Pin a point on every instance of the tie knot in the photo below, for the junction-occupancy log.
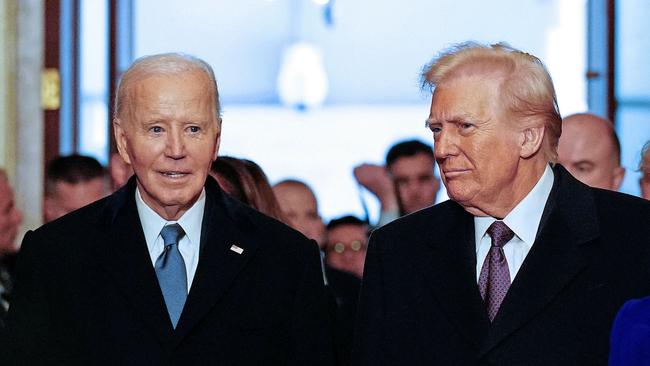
(500, 233)
(171, 234)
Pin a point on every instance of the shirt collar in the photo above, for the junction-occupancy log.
(152, 223)
(524, 219)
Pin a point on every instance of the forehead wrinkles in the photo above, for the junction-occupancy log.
(142, 93)
(466, 98)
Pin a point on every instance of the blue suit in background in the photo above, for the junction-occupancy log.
(630, 343)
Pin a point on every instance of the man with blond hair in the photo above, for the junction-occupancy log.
(168, 270)
(523, 265)
(590, 150)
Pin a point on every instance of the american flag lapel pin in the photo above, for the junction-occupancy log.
(236, 249)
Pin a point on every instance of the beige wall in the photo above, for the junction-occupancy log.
(29, 149)
(21, 117)
(8, 11)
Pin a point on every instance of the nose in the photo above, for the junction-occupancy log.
(444, 145)
(175, 144)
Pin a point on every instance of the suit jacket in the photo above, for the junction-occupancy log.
(631, 335)
(6, 284)
(87, 292)
(343, 290)
(420, 302)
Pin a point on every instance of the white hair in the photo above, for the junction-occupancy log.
(162, 64)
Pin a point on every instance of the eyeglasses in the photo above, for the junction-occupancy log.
(340, 248)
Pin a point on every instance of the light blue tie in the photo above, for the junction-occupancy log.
(170, 269)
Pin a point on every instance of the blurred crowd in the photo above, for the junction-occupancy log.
(405, 186)
(589, 149)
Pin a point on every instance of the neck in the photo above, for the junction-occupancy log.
(528, 175)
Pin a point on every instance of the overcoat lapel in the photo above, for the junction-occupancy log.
(127, 259)
(226, 248)
(559, 254)
(450, 269)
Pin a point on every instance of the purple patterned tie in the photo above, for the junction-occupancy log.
(494, 280)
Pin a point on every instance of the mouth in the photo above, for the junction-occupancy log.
(174, 174)
(453, 173)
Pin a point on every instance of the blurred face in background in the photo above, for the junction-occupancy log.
(10, 218)
(299, 206)
(645, 177)
(68, 197)
(588, 152)
(414, 181)
(346, 248)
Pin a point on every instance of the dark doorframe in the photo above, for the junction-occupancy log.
(120, 53)
(51, 66)
(601, 57)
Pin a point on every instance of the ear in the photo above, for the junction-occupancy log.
(619, 174)
(121, 140)
(49, 209)
(531, 141)
(218, 137)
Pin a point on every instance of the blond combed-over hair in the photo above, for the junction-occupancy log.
(525, 86)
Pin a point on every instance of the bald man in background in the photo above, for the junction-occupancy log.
(591, 151)
(298, 203)
(300, 207)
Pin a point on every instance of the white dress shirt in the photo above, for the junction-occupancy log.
(191, 222)
(523, 220)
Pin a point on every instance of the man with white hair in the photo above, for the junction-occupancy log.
(168, 270)
(524, 265)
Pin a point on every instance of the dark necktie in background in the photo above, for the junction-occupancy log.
(170, 269)
(494, 280)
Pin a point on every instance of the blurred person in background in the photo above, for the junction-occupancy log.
(644, 168)
(72, 182)
(406, 184)
(630, 338)
(246, 181)
(590, 150)
(10, 220)
(300, 208)
(347, 239)
(298, 203)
